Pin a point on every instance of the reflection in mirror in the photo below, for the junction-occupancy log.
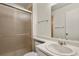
(65, 21)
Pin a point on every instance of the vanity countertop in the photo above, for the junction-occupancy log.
(43, 48)
(40, 39)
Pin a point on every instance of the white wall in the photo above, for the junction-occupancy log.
(60, 15)
(34, 20)
(44, 13)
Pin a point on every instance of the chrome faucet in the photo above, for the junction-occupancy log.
(61, 42)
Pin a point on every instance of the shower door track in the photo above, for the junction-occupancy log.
(16, 8)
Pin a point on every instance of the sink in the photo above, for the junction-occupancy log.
(62, 50)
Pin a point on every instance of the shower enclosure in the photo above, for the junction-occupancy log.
(15, 31)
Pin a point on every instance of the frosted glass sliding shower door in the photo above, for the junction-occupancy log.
(15, 31)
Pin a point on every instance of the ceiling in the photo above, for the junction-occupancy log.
(23, 4)
(59, 5)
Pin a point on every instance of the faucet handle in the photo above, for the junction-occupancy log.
(66, 34)
(60, 42)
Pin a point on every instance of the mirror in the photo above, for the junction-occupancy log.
(65, 21)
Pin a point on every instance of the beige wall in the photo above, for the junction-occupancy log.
(15, 31)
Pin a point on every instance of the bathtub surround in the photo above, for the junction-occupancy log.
(15, 31)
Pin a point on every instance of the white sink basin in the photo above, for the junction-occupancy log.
(60, 50)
